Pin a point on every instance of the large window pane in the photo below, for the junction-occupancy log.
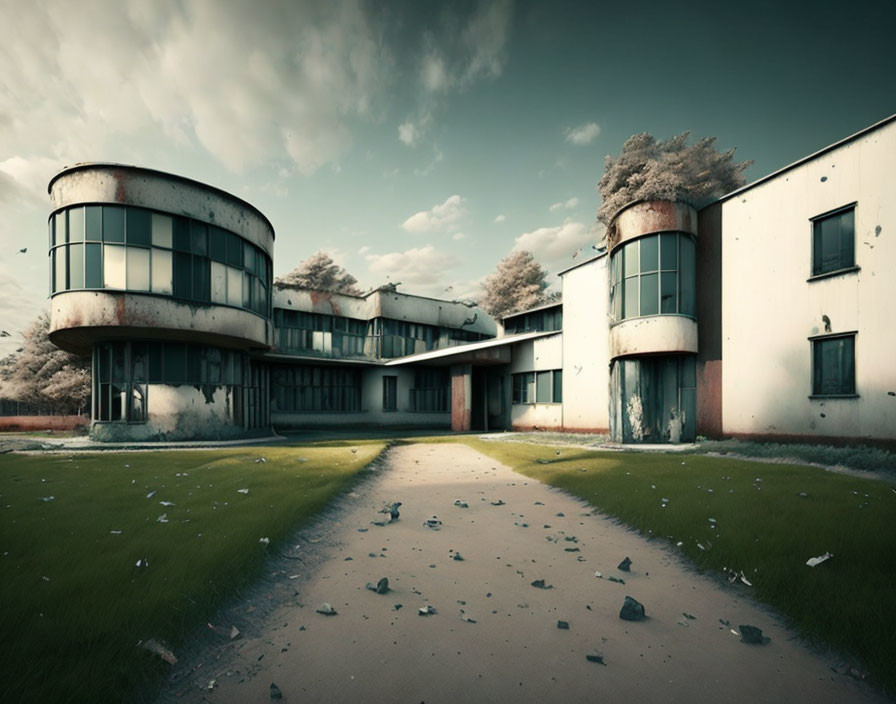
(138, 269)
(62, 229)
(668, 292)
(217, 244)
(558, 386)
(183, 275)
(76, 266)
(155, 362)
(649, 293)
(669, 251)
(59, 280)
(200, 278)
(630, 298)
(218, 282)
(175, 361)
(139, 226)
(834, 366)
(182, 239)
(93, 222)
(139, 371)
(113, 223)
(650, 253)
(847, 235)
(247, 290)
(630, 259)
(198, 238)
(234, 250)
(114, 275)
(161, 271)
(687, 278)
(161, 231)
(93, 265)
(543, 387)
(234, 286)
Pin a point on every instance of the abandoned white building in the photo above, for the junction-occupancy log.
(764, 314)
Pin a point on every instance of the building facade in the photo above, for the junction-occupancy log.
(762, 315)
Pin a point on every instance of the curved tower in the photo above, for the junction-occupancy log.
(166, 282)
(653, 324)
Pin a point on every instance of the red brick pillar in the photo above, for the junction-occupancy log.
(461, 396)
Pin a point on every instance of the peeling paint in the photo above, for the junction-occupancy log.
(635, 413)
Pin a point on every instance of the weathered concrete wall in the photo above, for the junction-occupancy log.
(363, 419)
(536, 416)
(461, 397)
(653, 334)
(646, 217)
(709, 313)
(770, 309)
(177, 412)
(538, 355)
(586, 347)
(10, 423)
(132, 185)
(77, 318)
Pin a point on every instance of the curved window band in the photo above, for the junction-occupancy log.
(126, 248)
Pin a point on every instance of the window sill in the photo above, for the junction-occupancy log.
(823, 397)
(836, 272)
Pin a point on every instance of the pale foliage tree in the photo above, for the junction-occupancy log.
(320, 273)
(42, 375)
(517, 283)
(647, 169)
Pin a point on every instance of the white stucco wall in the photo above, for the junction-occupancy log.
(586, 347)
(769, 309)
(541, 354)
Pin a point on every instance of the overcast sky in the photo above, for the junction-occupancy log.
(417, 142)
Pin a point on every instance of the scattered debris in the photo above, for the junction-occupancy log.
(392, 510)
(379, 523)
(465, 618)
(814, 561)
(457, 557)
(275, 692)
(598, 574)
(426, 610)
(752, 635)
(163, 518)
(563, 625)
(625, 565)
(326, 609)
(115, 532)
(433, 523)
(688, 616)
(855, 673)
(570, 549)
(595, 657)
(461, 504)
(362, 530)
(154, 646)
(632, 610)
(397, 607)
(264, 541)
(151, 494)
(539, 584)
(540, 461)
(45, 499)
(242, 491)
(618, 580)
(803, 495)
(261, 460)
(381, 587)
(499, 502)
(167, 503)
(143, 562)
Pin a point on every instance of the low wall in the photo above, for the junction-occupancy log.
(43, 422)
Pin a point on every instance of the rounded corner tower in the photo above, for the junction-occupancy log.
(653, 322)
(166, 282)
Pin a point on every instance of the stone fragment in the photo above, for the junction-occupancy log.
(433, 523)
(632, 610)
(618, 580)
(381, 587)
(392, 510)
(540, 584)
(625, 565)
(326, 609)
(154, 646)
(499, 502)
(275, 692)
(563, 625)
(461, 504)
(426, 610)
(457, 557)
(595, 657)
(752, 635)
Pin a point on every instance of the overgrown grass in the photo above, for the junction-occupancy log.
(75, 603)
(763, 526)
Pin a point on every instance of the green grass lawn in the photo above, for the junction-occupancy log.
(75, 603)
(762, 526)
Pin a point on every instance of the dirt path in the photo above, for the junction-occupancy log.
(510, 649)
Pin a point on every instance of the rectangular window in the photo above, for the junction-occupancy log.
(687, 278)
(217, 244)
(59, 280)
(558, 386)
(234, 250)
(93, 265)
(833, 241)
(62, 229)
(234, 286)
(183, 273)
(138, 269)
(390, 393)
(76, 266)
(650, 253)
(181, 234)
(161, 231)
(833, 366)
(649, 293)
(543, 387)
(139, 226)
(175, 361)
(198, 238)
(114, 275)
(218, 282)
(161, 271)
(93, 222)
(523, 387)
(113, 223)
(75, 226)
(200, 278)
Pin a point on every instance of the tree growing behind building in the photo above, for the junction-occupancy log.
(517, 283)
(669, 170)
(320, 273)
(41, 375)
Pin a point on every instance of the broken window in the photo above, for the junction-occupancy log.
(833, 365)
(833, 236)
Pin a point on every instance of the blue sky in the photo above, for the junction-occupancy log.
(417, 142)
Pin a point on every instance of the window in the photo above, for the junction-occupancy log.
(390, 393)
(834, 365)
(833, 236)
(537, 387)
(432, 390)
(654, 275)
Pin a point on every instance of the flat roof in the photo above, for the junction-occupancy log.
(800, 162)
(583, 263)
(470, 347)
(545, 306)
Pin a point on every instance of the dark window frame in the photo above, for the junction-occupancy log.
(390, 393)
(845, 388)
(818, 269)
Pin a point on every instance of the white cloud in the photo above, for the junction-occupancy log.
(554, 247)
(408, 133)
(420, 270)
(564, 204)
(500, 218)
(582, 134)
(458, 236)
(439, 217)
